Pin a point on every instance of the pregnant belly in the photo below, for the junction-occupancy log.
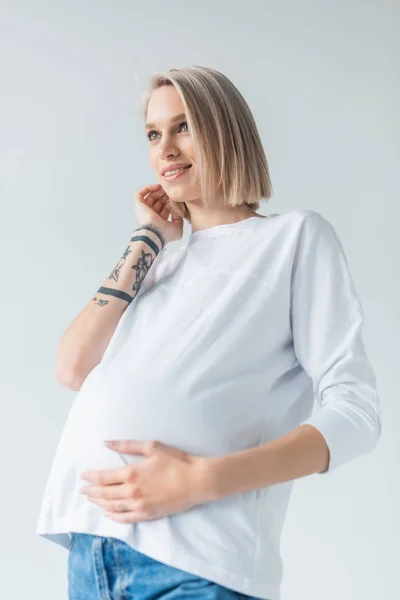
(211, 421)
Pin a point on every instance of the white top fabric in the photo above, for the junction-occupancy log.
(231, 338)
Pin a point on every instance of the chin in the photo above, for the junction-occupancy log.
(176, 197)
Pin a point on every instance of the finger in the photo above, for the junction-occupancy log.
(159, 205)
(117, 506)
(158, 196)
(130, 447)
(109, 492)
(109, 476)
(129, 517)
(165, 211)
(150, 190)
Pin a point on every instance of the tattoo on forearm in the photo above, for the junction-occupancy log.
(100, 301)
(115, 272)
(117, 293)
(142, 268)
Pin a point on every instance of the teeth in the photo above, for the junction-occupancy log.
(173, 172)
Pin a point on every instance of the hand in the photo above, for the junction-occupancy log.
(168, 481)
(153, 205)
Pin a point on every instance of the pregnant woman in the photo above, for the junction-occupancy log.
(197, 366)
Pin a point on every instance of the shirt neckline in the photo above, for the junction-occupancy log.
(216, 230)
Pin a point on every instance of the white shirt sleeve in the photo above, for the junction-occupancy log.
(327, 320)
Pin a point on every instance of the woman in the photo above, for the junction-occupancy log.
(200, 362)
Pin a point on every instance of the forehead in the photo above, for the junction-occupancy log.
(164, 104)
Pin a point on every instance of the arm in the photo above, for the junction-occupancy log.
(83, 344)
(327, 320)
(300, 452)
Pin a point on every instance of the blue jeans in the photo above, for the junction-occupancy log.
(105, 568)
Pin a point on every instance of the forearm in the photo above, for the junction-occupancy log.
(301, 452)
(86, 339)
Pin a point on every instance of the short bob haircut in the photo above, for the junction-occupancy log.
(230, 157)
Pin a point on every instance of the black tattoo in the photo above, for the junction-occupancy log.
(154, 229)
(116, 293)
(100, 302)
(115, 272)
(149, 242)
(142, 268)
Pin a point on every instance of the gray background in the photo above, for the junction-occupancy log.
(322, 81)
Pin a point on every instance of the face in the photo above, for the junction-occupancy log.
(170, 144)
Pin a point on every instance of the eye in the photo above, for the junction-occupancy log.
(149, 135)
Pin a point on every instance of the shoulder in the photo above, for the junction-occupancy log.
(308, 217)
(298, 224)
(309, 223)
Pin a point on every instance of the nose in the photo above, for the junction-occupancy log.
(167, 149)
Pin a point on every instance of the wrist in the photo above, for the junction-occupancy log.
(154, 232)
(205, 480)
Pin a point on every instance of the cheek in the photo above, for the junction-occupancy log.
(152, 158)
(155, 164)
(188, 148)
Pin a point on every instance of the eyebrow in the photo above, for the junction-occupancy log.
(176, 118)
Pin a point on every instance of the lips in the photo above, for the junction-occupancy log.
(175, 171)
(173, 167)
(179, 173)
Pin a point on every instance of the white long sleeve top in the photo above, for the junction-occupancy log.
(231, 339)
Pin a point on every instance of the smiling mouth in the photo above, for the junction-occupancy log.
(176, 174)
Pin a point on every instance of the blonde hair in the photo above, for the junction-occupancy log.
(230, 157)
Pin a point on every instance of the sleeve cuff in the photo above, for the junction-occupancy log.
(346, 437)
